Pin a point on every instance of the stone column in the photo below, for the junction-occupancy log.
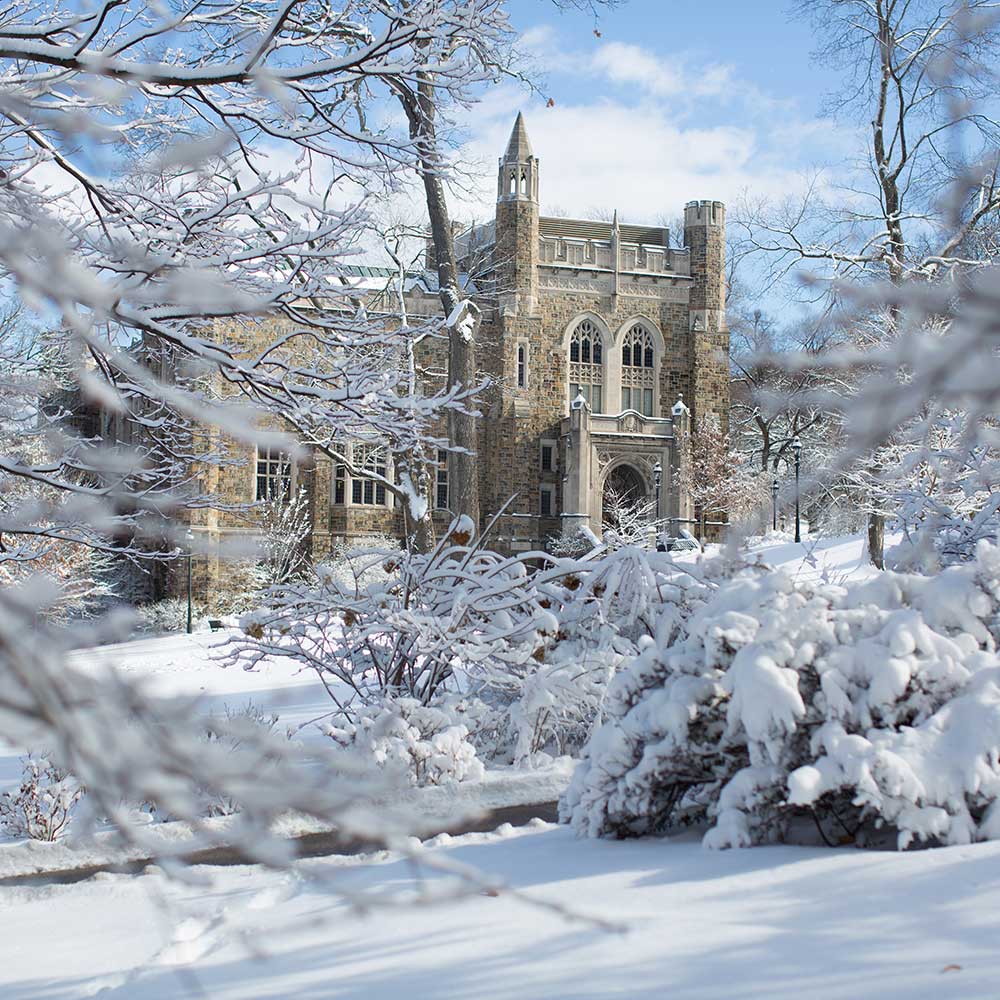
(577, 507)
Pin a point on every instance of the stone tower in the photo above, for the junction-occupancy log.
(517, 225)
(705, 239)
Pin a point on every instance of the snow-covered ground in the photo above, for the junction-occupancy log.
(776, 922)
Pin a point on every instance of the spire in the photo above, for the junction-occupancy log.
(614, 222)
(519, 148)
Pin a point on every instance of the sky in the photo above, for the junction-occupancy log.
(674, 100)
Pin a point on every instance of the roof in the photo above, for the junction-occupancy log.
(374, 278)
(579, 229)
(519, 146)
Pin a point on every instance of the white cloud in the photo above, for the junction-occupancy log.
(624, 63)
(636, 158)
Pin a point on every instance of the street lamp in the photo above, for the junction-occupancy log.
(657, 482)
(190, 544)
(797, 450)
(774, 504)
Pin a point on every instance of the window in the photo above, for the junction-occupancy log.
(274, 474)
(548, 456)
(547, 500)
(586, 365)
(368, 492)
(522, 365)
(339, 485)
(638, 371)
(441, 481)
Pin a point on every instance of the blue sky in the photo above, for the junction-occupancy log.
(675, 100)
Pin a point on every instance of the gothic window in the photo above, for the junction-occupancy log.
(364, 490)
(441, 481)
(586, 365)
(274, 474)
(638, 371)
(522, 365)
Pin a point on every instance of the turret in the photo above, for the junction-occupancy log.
(517, 224)
(705, 238)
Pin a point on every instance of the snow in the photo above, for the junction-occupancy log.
(775, 922)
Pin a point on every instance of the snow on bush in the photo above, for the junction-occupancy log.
(239, 726)
(417, 742)
(169, 615)
(871, 704)
(43, 804)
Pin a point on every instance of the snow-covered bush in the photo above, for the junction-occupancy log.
(240, 725)
(169, 615)
(548, 705)
(43, 804)
(419, 743)
(873, 704)
(403, 632)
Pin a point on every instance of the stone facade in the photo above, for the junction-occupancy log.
(601, 342)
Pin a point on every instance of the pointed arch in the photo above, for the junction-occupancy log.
(587, 344)
(640, 347)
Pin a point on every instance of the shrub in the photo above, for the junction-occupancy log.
(239, 724)
(420, 743)
(169, 615)
(858, 706)
(42, 806)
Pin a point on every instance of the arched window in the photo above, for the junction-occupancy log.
(586, 365)
(638, 371)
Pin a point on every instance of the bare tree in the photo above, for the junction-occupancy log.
(920, 75)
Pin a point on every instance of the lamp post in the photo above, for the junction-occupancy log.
(190, 542)
(657, 483)
(774, 504)
(797, 450)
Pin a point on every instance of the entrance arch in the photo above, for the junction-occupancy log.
(624, 491)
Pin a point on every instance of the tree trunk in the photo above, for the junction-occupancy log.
(463, 483)
(876, 540)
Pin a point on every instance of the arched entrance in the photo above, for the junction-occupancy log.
(624, 499)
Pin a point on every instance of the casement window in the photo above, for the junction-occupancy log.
(367, 491)
(547, 500)
(586, 365)
(274, 474)
(340, 485)
(441, 481)
(547, 455)
(638, 371)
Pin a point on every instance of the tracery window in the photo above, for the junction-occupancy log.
(586, 365)
(638, 371)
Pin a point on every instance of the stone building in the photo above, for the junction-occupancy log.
(602, 343)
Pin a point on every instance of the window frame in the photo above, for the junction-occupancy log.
(550, 445)
(278, 467)
(547, 491)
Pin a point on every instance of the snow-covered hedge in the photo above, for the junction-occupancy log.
(420, 743)
(763, 700)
